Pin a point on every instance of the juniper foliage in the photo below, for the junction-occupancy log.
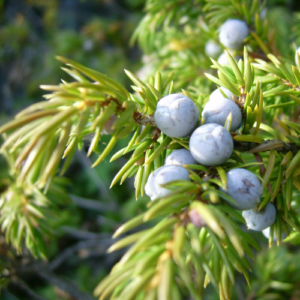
(172, 257)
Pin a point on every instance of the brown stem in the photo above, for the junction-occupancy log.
(286, 82)
(44, 272)
(263, 171)
(266, 145)
(259, 55)
(143, 120)
(25, 289)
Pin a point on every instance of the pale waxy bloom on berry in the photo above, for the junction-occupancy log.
(154, 186)
(260, 220)
(180, 157)
(244, 187)
(232, 34)
(211, 144)
(176, 115)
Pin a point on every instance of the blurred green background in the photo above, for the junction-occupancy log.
(95, 33)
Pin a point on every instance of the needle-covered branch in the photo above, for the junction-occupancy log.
(248, 125)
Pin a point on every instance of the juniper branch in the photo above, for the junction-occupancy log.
(266, 145)
(143, 120)
(27, 290)
(67, 253)
(44, 272)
